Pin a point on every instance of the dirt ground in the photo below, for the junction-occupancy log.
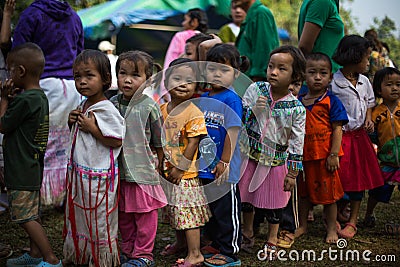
(381, 245)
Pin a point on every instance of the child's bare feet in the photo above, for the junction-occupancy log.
(331, 237)
(300, 231)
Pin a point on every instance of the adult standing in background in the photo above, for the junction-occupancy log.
(320, 28)
(108, 48)
(257, 38)
(57, 29)
(230, 31)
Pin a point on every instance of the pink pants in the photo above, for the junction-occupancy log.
(138, 233)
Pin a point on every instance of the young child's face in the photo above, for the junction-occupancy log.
(130, 77)
(182, 83)
(294, 87)
(318, 75)
(363, 66)
(220, 75)
(88, 80)
(391, 88)
(190, 51)
(238, 14)
(279, 72)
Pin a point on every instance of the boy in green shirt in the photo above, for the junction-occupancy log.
(24, 121)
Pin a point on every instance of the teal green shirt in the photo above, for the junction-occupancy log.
(257, 38)
(26, 128)
(325, 14)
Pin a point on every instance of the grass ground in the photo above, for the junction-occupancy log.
(375, 240)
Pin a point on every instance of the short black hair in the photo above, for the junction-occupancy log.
(318, 56)
(380, 76)
(201, 16)
(137, 56)
(31, 56)
(101, 62)
(299, 61)
(222, 53)
(351, 49)
(179, 62)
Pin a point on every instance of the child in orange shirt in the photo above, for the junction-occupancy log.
(322, 145)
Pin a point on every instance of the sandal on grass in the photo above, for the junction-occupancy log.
(208, 251)
(346, 232)
(172, 249)
(23, 260)
(46, 264)
(5, 251)
(269, 252)
(247, 243)
(139, 262)
(285, 239)
(183, 263)
(220, 260)
(392, 228)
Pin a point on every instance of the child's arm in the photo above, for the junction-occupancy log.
(369, 125)
(160, 158)
(221, 170)
(332, 162)
(88, 125)
(176, 173)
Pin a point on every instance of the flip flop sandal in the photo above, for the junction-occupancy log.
(139, 262)
(183, 263)
(344, 233)
(209, 251)
(5, 251)
(172, 249)
(285, 239)
(225, 261)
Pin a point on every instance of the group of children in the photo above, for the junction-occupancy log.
(205, 159)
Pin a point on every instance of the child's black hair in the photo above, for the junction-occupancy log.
(318, 56)
(178, 63)
(227, 53)
(351, 50)
(380, 76)
(201, 16)
(197, 39)
(135, 57)
(31, 56)
(299, 61)
(101, 62)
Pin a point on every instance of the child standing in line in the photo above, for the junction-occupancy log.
(275, 124)
(386, 118)
(222, 109)
(140, 191)
(325, 116)
(359, 168)
(184, 126)
(25, 125)
(97, 130)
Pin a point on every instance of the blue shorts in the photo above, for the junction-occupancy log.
(355, 196)
(382, 193)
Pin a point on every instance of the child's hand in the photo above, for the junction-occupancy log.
(73, 117)
(87, 124)
(175, 175)
(290, 180)
(221, 171)
(260, 104)
(9, 7)
(7, 89)
(332, 163)
(369, 126)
